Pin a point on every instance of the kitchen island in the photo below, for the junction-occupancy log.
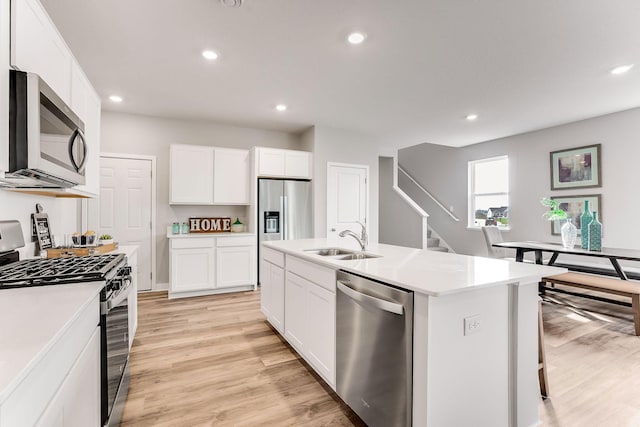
(475, 344)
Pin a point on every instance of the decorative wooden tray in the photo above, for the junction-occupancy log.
(84, 251)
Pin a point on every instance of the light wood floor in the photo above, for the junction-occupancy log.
(214, 361)
(593, 360)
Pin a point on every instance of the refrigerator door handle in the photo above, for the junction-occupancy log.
(283, 221)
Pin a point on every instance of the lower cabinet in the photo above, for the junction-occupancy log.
(209, 265)
(77, 401)
(235, 266)
(192, 269)
(310, 315)
(272, 294)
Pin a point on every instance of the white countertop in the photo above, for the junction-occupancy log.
(201, 235)
(128, 250)
(33, 320)
(428, 272)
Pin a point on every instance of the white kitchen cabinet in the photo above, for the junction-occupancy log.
(37, 47)
(77, 401)
(297, 164)
(272, 294)
(321, 331)
(192, 269)
(62, 385)
(309, 307)
(5, 43)
(86, 103)
(235, 266)
(203, 265)
(133, 297)
(278, 163)
(231, 173)
(295, 311)
(191, 175)
(202, 175)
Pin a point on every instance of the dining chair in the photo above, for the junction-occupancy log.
(492, 235)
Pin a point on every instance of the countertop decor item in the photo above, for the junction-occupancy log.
(576, 168)
(574, 207)
(209, 225)
(585, 220)
(237, 227)
(568, 231)
(106, 239)
(595, 233)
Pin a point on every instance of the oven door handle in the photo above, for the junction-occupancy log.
(108, 305)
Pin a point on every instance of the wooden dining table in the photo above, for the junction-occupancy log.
(614, 255)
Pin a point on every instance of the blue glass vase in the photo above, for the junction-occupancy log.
(585, 219)
(595, 233)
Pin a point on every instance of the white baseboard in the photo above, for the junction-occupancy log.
(161, 287)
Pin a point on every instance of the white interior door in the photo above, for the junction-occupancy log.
(123, 208)
(347, 197)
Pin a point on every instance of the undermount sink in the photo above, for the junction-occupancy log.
(356, 255)
(330, 251)
(341, 254)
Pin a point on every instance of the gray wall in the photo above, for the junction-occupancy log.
(341, 146)
(443, 171)
(64, 216)
(399, 223)
(137, 134)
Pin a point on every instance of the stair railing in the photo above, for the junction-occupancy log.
(416, 207)
(437, 202)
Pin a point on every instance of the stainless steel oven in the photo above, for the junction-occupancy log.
(114, 328)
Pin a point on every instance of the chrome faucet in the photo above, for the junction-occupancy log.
(363, 239)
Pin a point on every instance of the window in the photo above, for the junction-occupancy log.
(489, 192)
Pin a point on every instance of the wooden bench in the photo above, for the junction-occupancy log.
(603, 284)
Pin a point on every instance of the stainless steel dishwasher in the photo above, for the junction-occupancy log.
(374, 350)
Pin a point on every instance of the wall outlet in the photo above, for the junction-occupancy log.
(472, 324)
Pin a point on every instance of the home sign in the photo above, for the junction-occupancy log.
(209, 225)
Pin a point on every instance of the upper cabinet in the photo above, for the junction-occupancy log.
(34, 45)
(277, 163)
(37, 47)
(86, 103)
(231, 172)
(203, 175)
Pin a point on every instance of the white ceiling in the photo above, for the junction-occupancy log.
(426, 64)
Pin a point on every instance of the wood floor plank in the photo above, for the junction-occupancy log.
(215, 361)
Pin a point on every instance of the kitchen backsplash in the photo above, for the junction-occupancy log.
(64, 214)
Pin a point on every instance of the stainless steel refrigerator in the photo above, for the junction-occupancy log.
(284, 210)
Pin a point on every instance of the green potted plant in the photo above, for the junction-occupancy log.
(106, 239)
(568, 231)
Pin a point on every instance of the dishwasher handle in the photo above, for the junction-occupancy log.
(374, 302)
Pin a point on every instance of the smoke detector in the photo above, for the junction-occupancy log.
(231, 3)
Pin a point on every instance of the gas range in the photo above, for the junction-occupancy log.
(58, 271)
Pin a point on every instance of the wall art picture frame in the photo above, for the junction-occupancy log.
(574, 207)
(578, 167)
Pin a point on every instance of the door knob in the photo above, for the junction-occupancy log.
(333, 230)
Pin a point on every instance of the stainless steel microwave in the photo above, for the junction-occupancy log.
(47, 147)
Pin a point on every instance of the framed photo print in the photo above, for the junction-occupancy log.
(576, 168)
(574, 207)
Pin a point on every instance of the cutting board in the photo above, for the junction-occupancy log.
(84, 251)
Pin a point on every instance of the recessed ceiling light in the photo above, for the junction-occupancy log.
(622, 69)
(281, 107)
(471, 117)
(210, 55)
(356, 38)
(231, 3)
(115, 98)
